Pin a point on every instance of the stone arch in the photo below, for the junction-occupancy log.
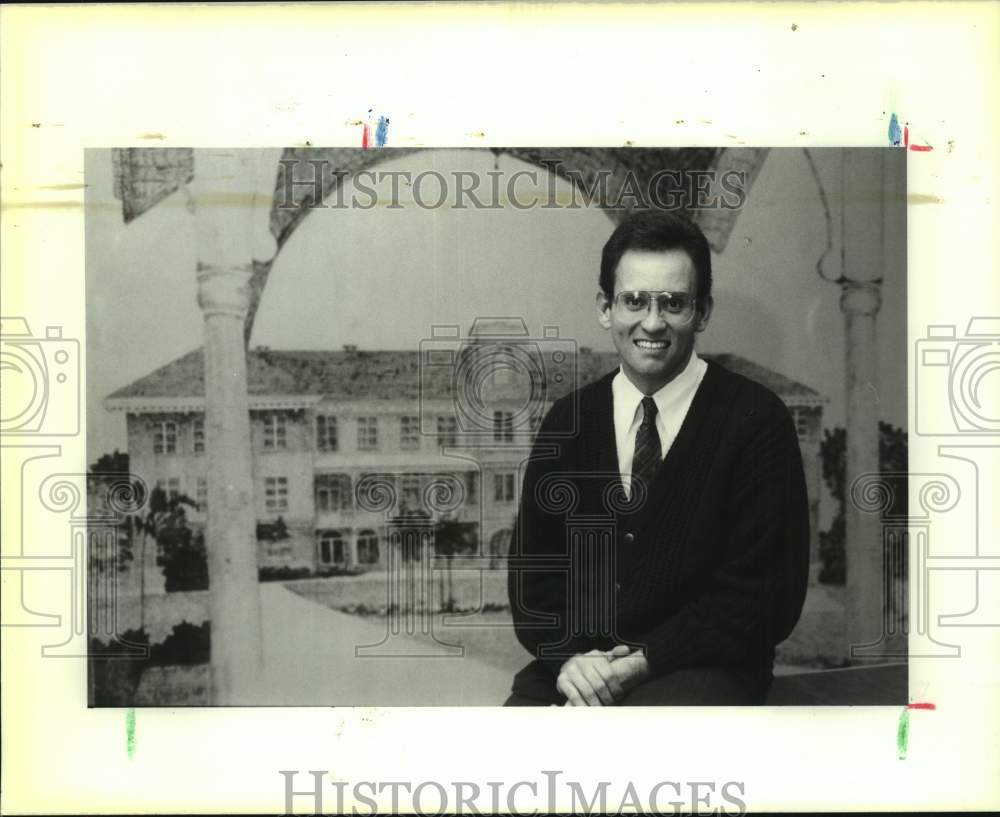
(145, 176)
(306, 177)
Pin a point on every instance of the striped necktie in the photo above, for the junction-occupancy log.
(647, 455)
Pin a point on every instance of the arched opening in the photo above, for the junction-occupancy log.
(499, 546)
(331, 550)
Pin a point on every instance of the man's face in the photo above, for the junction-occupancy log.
(654, 347)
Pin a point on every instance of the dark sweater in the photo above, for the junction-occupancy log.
(709, 570)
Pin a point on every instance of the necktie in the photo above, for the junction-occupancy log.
(647, 457)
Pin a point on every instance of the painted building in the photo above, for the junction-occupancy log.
(346, 441)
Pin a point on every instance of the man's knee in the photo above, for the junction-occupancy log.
(516, 699)
(699, 686)
(535, 685)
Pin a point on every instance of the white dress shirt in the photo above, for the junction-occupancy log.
(672, 404)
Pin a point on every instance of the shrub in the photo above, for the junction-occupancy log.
(185, 563)
(187, 644)
(833, 452)
(115, 679)
(282, 573)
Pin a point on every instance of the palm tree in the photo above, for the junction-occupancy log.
(451, 537)
(166, 521)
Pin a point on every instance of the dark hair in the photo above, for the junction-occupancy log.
(656, 231)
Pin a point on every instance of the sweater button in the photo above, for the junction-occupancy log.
(629, 538)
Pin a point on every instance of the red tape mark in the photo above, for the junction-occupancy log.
(921, 706)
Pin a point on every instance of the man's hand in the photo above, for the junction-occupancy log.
(584, 678)
(588, 679)
(630, 668)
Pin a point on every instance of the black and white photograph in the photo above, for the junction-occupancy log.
(499, 408)
(448, 427)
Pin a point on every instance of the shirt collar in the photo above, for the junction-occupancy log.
(627, 397)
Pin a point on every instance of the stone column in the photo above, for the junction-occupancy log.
(863, 213)
(230, 536)
(227, 205)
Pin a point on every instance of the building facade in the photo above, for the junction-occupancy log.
(346, 442)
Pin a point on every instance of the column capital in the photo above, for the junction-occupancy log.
(861, 297)
(224, 290)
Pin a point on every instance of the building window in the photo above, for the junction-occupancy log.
(332, 550)
(367, 547)
(409, 433)
(276, 494)
(277, 549)
(198, 435)
(274, 431)
(367, 433)
(171, 492)
(801, 417)
(326, 433)
(173, 489)
(447, 431)
(411, 490)
(503, 426)
(503, 487)
(202, 496)
(333, 492)
(165, 438)
(471, 487)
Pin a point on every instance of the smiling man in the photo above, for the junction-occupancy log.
(695, 473)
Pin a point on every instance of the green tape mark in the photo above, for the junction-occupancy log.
(903, 733)
(130, 733)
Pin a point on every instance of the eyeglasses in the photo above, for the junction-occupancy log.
(678, 306)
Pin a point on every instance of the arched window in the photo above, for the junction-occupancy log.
(332, 552)
(500, 542)
(367, 547)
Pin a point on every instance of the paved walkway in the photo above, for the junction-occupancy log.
(310, 660)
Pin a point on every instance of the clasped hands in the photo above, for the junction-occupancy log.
(599, 678)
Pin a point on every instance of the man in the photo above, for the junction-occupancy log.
(706, 571)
